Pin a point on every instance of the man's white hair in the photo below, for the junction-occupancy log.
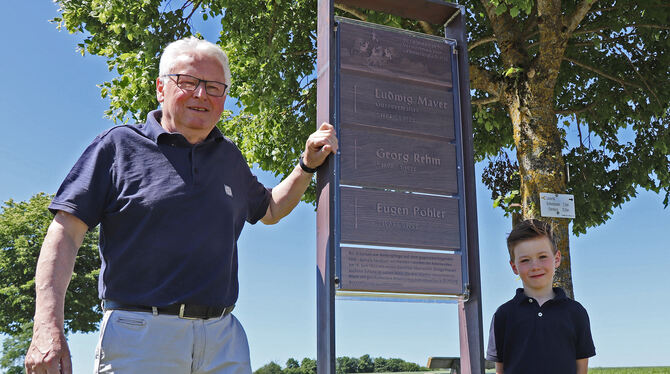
(191, 43)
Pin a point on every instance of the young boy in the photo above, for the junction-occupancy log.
(541, 330)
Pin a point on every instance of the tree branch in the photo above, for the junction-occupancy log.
(602, 73)
(353, 11)
(640, 25)
(578, 15)
(196, 5)
(506, 35)
(570, 111)
(637, 71)
(483, 80)
(608, 9)
(273, 25)
(427, 28)
(297, 53)
(604, 39)
(481, 41)
(485, 100)
(529, 28)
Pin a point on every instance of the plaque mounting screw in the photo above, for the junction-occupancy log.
(466, 294)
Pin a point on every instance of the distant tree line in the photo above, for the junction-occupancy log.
(343, 365)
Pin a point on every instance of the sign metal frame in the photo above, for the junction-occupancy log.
(328, 194)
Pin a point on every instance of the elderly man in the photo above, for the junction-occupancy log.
(172, 196)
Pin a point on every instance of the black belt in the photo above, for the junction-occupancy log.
(188, 311)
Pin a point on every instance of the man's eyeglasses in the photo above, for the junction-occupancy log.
(190, 83)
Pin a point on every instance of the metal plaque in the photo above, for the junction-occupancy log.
(397, 105)
(394, 54)
(398, 219)
(366, 269)
(371, 157)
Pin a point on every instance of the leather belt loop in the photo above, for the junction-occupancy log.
(227, 310)
(182, 307)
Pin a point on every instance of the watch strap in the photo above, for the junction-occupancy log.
(306, 168)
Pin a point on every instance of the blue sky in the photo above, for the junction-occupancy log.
(50, 109)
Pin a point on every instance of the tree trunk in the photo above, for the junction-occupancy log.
(541, 165)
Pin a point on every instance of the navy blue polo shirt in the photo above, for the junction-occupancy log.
(528, 338)
(170, 213)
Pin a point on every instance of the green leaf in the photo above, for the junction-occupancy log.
(512, 71)
(514, 11)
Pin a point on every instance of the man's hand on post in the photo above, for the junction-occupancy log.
(48, 353)
(286, 195)
(319, 145)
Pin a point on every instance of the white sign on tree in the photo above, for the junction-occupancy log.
(557, 205)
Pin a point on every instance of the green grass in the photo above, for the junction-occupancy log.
(635, 370)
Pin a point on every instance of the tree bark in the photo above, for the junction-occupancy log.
(539, 152)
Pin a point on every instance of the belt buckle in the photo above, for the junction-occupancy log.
(181, 312)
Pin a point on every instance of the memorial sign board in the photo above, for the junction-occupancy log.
(405, 176)
(371, 157)
(369, 269)
(399, 219)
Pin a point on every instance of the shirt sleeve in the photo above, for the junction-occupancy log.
(258, 198)
(85, 189)
(495, 349)
(584, 347)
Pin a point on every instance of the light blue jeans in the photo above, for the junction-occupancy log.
(139, 342)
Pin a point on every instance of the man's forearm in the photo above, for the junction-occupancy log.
(55, 266)
(48, 351)
(286, 195)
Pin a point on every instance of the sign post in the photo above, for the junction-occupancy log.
(396, 214)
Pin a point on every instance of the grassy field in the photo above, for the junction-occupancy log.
(634, 370)
(637, 370)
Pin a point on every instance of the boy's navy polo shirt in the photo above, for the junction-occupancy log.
(547, 339)
(170, 213)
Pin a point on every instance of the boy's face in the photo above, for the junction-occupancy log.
(535, 263)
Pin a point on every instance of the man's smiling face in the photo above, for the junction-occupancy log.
(191, 113)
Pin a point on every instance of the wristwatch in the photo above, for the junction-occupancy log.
(305, 167)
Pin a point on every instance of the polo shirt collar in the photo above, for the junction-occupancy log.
(154, 130)
(521, 297)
